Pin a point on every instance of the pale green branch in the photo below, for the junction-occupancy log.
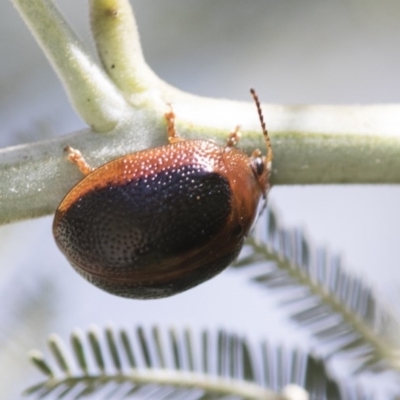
(117, 40)
(91, 92)
(312, 144)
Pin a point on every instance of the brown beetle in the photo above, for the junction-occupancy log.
(160, 221)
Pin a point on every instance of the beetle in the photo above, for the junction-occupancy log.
(160, 221)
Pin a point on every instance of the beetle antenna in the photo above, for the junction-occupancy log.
(264, 129)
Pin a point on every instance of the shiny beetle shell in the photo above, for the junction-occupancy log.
(160, 221)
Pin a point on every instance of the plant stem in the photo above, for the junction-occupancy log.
(115, 32)
(35, 177)
(312, 144)
(90, 90)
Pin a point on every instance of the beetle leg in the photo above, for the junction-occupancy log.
(76, 157)
(234, 137)
(173, 137)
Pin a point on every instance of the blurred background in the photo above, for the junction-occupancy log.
(292, 52)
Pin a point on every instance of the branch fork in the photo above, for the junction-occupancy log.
(123, 102)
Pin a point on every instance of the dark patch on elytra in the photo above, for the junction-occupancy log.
(146, 220)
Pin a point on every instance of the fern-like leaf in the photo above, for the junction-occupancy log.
(172, 364)
(24, 319)
(339, 309)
